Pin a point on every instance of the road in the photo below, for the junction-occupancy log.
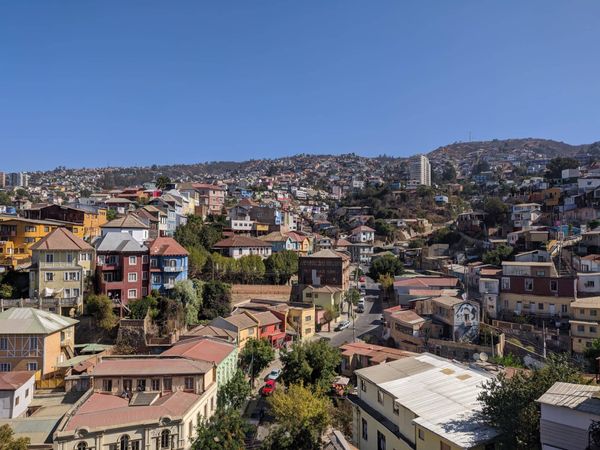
(364, 322)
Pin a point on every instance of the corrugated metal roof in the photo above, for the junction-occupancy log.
(580, 397)
(32, 321)
(442, 394)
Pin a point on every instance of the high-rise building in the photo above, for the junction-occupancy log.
(17, 179)
(2, 180)
(420, 170)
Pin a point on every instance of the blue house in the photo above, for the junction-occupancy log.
(168, 263)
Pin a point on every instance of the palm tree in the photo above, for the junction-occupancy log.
(162, 182)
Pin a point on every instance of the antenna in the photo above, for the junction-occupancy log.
(483, 356)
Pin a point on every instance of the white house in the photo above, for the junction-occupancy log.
(129, 224)
(16, 393)
(238, 246)
(525, 215)
(567, 411)
(363, 234)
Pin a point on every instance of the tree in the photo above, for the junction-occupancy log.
(593, 224)
(386, 283)
(196, 233)
(417, 243)
(311, 364)
(162, 181)
(256, 355)
(330, 313)
(281, 266)
(496, 211)
(481, 166)
(301, 415)
(5, 199)
(556, 165)
(382, 228)
(140, 307)
(216, 300)
(509, 404)
(6, 291)
(197, 259)
(9, 442)
(592, 353)
(189, 294)
(171, 315)
(386, 265)
(100, 307)
(497, 255)
(351, 297)
(251, 268)
(111, 214)
(225, 430)
(235, 392)
(449, 173)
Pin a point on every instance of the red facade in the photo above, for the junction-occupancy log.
(123, 277)
(543, 286)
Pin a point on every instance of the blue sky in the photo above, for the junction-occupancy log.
(150, 82)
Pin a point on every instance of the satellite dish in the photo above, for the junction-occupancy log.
(476, 356)
(483, 356)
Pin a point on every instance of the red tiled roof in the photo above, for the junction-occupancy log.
(10, 381)
(240, 241)
(106, 411)
(428, 282)
(266, 318)
(150, 366)
(363, 228)
(61, 239)
(201, 349)
(167, 246)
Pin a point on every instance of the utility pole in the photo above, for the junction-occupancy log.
(544, 337)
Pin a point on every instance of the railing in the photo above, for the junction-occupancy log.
(41, 303)
(173, 269)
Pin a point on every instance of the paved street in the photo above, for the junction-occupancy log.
(364, 323)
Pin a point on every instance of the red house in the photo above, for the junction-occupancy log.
(122, 268)
(270, 327)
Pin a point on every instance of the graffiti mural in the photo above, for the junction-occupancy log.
(466, 322)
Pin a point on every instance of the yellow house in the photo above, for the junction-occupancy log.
(22, 233)
(36, 340)
(584, 323)
(243, 324)
(302, 318)
(421, 402)
(61, 263)
(82, 221)
(323, 296)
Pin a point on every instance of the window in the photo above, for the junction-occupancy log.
(132, 293)
(144, 276)
(33, 343)
(363, 385)
(365, 435)
(251, 331)
(17, 399)
(396, 408)
(165, 439)
(505, 283)
(141, 384)
(32, 366)
(563, 309)
(155, 384)
(421, 434)
(580, 328)
(541, 306)
(593, 312)
(26, 393)
(132, 260)
(135, 445)
(3, 343)
(49, 257)
(308, 331)
(154, 262)
(132, 276)
(124, 442)
(69, 258)
(554, 285)
(167, 384)
(127, 384)
(81, 446)
(107, 385)
(308, 318)
(444, 446)
(593, 330)
(189, 383)
(529, 284)
(380, 396)
(380, 440)
(4, 367)
(145, 259)
(49, 276)
(590, 283)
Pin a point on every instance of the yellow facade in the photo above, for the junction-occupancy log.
(245, 334)
(530, 304)
(22, 233)
(584, 323)
(303, 321)
(92, 223)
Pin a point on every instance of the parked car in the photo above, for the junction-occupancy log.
(361, 302)
(274, 374)
(360, 308)
(268, 388)
(342, 325)
(362, 279)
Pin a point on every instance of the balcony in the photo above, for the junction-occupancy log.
(172, 269)
(169, 285)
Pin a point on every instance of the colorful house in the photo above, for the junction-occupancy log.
(61, 262)
(168, 263)
(32, 339)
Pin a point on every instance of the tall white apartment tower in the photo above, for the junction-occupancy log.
(420, 170)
